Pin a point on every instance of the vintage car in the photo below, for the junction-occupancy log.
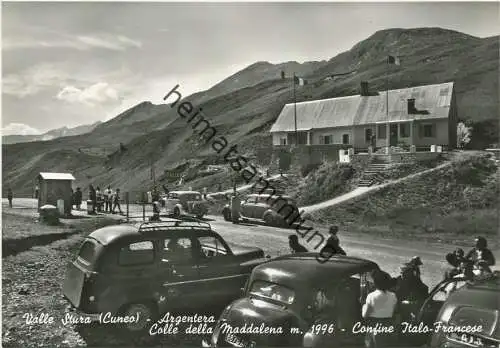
(145, 270)
(274, 210)
(177, 203)
(472, 312)
(281, 294)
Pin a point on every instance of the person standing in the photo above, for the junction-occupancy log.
(107, 199)
(116, 202)
(78, 198)
(10, 196)
(235, 207)
(295, 246)
(205, 193)
(99, 199)
(379, 309)
(92, 197)
(37, 190)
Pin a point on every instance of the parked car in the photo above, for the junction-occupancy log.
(179, 203)
(475, 304)
(274, 210)
(149, 269)
(281, 294)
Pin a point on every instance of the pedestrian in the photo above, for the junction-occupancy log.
(92, 197)
(116, 202)
(415, 264)
(78, 198)
(409, 286)
(10, 196)
(235, 208)
(205, 193)
(378, 311)
(332, 245)
(219, 187)
(295, 246)
(481, 252)
(37, 190)
(99, 199)
(107, 199)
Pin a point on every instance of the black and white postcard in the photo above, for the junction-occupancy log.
(250, 174)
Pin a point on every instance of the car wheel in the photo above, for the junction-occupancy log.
(145, 313)
(177, 212)
(227, 215)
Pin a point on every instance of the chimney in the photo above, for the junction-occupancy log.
(364, 88)
(411, 106)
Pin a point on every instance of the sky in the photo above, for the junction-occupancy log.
(74, 63)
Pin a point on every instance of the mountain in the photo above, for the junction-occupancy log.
(243, 107)
(52, 134)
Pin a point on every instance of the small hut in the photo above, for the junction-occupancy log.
(53, 187)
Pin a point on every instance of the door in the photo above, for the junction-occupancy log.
(393, 131)
(221, 279)
(246, 207)
(432, 305)
(180, 277)
(260, 207)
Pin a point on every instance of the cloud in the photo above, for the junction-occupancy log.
(32, 80)
(19, 129)
(79, 42)
(99, 93)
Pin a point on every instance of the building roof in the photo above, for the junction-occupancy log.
(56, 176)
(359, 110)
(288, 269)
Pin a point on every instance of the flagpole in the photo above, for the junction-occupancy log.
(387, 101)
(295, 112)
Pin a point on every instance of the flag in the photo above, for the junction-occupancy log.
(393, 60)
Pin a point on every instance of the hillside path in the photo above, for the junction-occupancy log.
(244, 187)
(363, 190)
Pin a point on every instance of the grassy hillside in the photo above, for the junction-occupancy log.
(454, 202)
(244, 106)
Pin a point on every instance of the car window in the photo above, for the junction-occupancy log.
(250, 199)
(178, 250)
(212, 247)
(272, 291)
(172, 196)
(138, 253)
(475, 317)
(191, 197)
(88, 252)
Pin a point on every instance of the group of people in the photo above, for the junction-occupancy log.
(331, 247)
(476, 262)
(102, 201)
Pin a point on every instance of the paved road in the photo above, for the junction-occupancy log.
(388, 253)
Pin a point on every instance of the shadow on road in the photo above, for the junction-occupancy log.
(16, 246)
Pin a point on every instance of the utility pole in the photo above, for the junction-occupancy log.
(387, 130)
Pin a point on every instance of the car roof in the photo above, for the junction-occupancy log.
(186, 192)
(479, 293)
(290, 269)
(117, 233)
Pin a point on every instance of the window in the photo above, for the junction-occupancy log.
(88, 252)
(272, 291)
(211, 247)
(282, 141)
(326, 139)
(404, 130)
(428, 130)
(178, 250)
(138, 253)
(382, 131)
(368, 134)
(251, 200)
(345, 139)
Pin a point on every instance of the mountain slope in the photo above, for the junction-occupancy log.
(52, 134)
(245, 112)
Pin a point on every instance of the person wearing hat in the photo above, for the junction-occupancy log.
(409, 285)
(415, 263)
(481, 252)
(295, 246)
